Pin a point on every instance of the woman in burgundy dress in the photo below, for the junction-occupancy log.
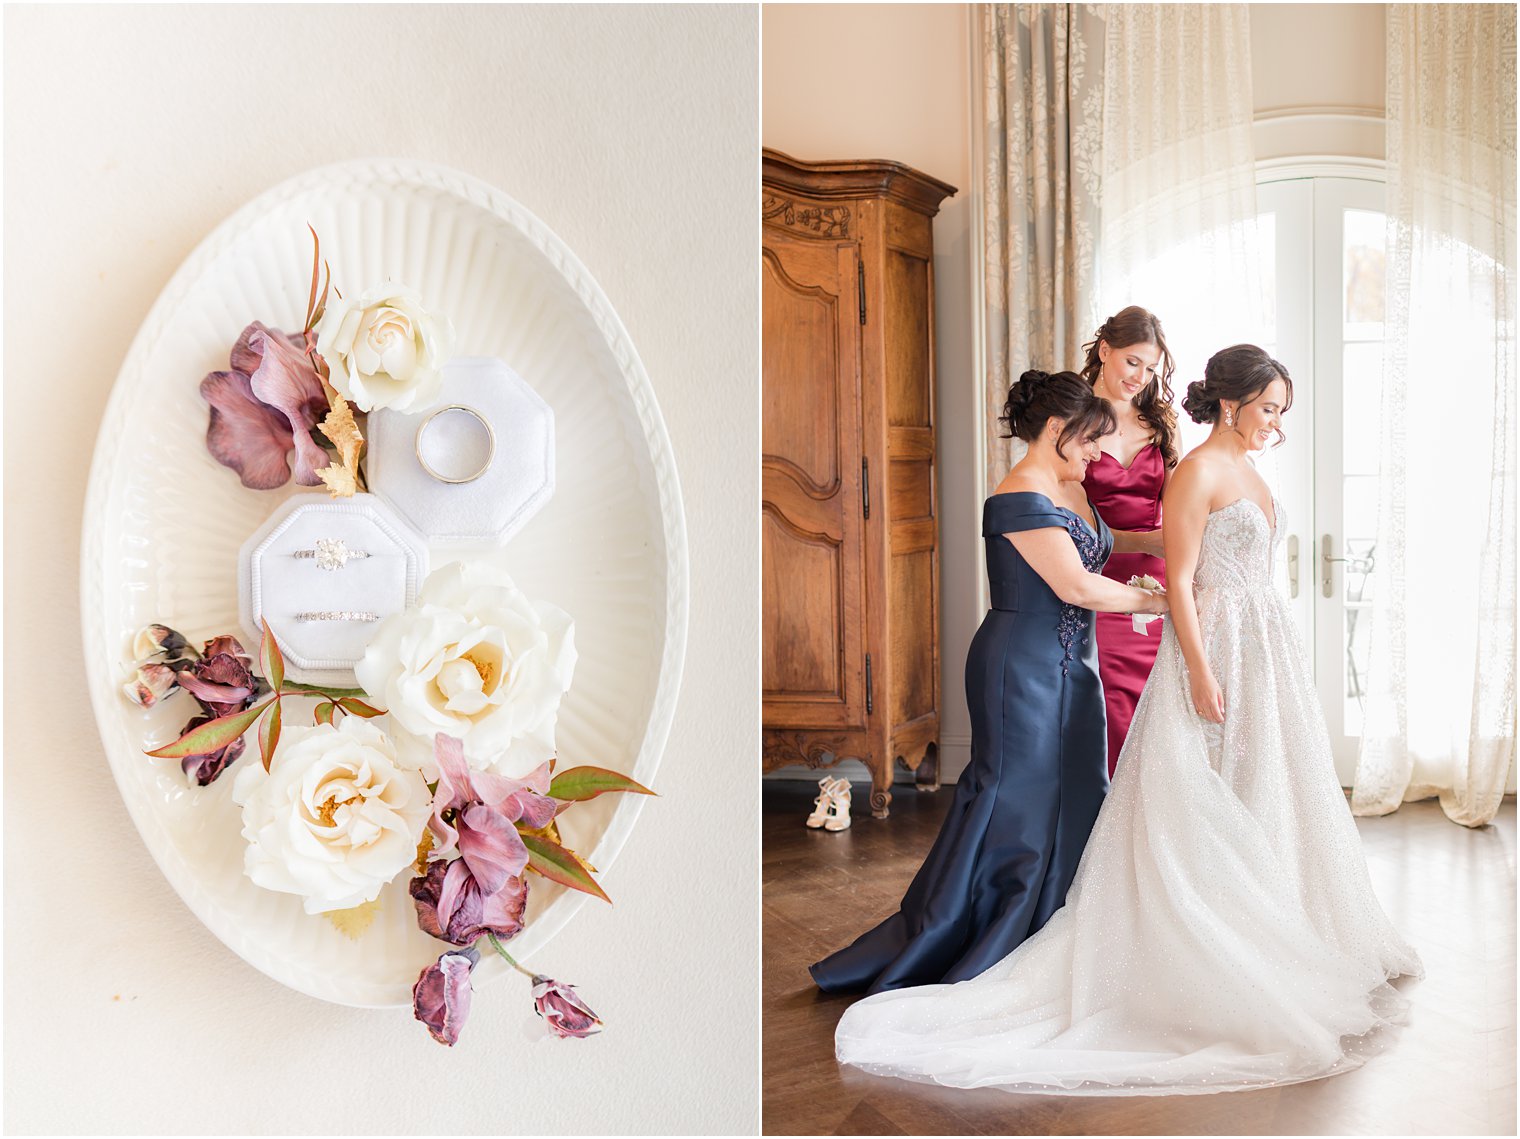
(1128, 364)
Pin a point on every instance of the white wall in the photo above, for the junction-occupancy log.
(131, 132)
(894, 81)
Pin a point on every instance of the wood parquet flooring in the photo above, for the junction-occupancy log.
(1450, 890)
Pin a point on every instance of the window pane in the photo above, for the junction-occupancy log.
(1361, 387)
(1266, 228)
(1360, 506)
(1363, 273)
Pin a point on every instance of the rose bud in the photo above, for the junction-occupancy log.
(441, 996)
(205, 768)
(221, 681)
(160, 643)
(566, 1014)
(151, 684)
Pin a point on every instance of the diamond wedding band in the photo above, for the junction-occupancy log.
(338, 615)
(459, 477)
(332, 554)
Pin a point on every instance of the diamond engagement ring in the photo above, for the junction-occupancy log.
(332, 554)
(338, 615)
(451, 448)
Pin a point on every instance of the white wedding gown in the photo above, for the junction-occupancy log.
(1221, 932)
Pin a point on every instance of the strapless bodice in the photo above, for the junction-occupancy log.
(1238, 547)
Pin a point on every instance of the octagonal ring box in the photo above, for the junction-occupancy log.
(281, 575)
(489, 509)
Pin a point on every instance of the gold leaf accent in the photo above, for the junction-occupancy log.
(423, 849)
(353, 922)
(342, 477)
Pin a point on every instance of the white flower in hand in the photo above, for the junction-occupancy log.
(383, 349)
(335, 818)
(476, 660)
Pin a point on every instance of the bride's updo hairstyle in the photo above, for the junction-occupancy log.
(1037, 396)
(1239, 373)
(1153, 402)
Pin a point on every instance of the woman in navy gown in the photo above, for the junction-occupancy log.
(1023, 808)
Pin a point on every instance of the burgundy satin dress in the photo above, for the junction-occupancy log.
(1126, 499)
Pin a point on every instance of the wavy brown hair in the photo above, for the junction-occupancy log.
(1135, 325)
(1037, 397)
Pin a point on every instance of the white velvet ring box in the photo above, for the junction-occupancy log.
(518, 481)
(290, 568)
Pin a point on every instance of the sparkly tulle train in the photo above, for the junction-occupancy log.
(1221, 932)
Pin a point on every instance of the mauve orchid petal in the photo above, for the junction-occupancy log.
(566, 1014)
(287, 381)
(244, 434)
(537, 811)
(490, 845)
(441, 996)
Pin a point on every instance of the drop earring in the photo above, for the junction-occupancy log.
(1229, 418)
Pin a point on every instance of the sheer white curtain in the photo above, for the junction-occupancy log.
(1179, 231)
(1042, 76)
(1440, 713)
(1118, 170)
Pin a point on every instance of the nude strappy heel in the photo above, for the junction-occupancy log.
(831, 810)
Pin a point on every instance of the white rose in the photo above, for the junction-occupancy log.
(475, 659)
(335, 818)
(384, 350)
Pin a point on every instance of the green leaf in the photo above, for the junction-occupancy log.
(269, 735)
(270, 658)
(558, 864)
(359, 707)
(213, 736)
(580, 783)
(324, 712)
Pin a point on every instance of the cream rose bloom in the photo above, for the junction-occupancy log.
(383, 349)
(336, 816)
(474, 659)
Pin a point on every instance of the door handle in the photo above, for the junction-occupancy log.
(1292, 566)
(1327, 573)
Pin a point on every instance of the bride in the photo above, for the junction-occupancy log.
(1221, 932)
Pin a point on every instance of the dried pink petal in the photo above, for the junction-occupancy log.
(245, 435)
(287, 381)
(441, 996)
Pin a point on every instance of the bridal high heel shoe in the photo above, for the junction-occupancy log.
(831, 810)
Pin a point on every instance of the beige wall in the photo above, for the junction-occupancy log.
(1317, 80)
(894, 81)
(885, 81)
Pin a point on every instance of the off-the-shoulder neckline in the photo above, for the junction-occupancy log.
(1093, 530)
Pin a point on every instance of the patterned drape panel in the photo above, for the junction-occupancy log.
(1042, 69)
(1440, 716)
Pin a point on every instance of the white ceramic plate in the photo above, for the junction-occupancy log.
(163, 523)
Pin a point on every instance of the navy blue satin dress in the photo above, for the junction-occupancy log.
(1023, 808)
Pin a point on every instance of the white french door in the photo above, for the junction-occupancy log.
(1323, 253)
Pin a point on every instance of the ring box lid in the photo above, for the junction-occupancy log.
(491, 508)
(275, 584)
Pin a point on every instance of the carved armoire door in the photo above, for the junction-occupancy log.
(813, 602)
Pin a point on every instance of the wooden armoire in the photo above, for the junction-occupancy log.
(850, 527)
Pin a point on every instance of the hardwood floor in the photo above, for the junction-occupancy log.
(1450, 890)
